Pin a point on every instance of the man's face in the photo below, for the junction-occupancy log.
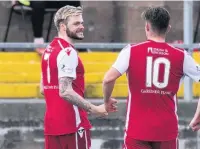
(74, 27)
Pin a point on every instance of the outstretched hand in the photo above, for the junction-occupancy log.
(195, 124)
(111, 105)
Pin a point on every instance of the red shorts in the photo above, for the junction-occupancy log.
(79, 140)
(138, 144)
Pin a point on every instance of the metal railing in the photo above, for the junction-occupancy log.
(93, 46)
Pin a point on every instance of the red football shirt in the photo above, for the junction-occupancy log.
(154, 72)
(61, 117)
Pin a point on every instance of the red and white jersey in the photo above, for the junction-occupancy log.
(61, 60)
(154, 72)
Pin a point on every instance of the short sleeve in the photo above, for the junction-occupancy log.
(67, 61)
(122, 62)
(191, 68)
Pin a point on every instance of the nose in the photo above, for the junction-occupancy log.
(82, 27)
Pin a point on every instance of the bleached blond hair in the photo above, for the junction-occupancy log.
(63, 13)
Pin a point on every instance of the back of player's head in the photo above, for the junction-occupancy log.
(159, 19)
(64, 13)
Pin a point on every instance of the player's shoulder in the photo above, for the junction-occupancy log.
(68, 51)
(67, 54)
(64, 45)
(176, 48)
(138, 45)
(59, 42)
(131, 46)
(135, 45)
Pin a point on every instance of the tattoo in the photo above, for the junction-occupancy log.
(75, 99)
(65, 83)
(67, 93)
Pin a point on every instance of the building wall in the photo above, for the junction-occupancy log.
(108, 21)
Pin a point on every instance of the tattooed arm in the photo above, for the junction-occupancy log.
(65, 63)
(66, 92)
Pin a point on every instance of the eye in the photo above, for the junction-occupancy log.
(77, 23)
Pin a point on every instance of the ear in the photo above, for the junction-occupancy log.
(63, 26)
(147, 26)
(168, 28)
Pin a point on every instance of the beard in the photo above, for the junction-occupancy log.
(73, 35)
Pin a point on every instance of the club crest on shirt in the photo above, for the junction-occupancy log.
(68, 50)
(80, 132)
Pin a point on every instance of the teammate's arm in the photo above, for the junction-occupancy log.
(119, 67)
(109, 82)
(192, 69)
(195, 123)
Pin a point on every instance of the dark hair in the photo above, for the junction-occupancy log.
(158, 17)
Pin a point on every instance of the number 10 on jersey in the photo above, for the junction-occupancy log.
(153, 69)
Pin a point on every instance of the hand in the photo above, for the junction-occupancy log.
(111, 105)
(100, 110)
(195, 124)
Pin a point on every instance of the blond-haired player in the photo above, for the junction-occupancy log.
(66, 121)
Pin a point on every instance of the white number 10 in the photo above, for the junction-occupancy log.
(152, 72)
